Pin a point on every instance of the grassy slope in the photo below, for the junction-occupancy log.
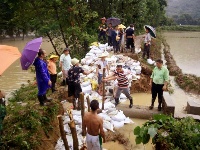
(28, 125)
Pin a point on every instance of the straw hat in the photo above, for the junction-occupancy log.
(53, 56)
(103, 55)
(74, 61)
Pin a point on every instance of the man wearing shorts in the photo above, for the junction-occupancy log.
(93, 125)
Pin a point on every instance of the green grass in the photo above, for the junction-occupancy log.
(24, 125)
(180, 28)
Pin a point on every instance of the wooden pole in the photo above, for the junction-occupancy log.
(72, 127)
(88, 103)
(103, 97)
(62, 132)
(82, 105)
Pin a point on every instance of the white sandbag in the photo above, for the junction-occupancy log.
(109, 110)
(89, 61)
(117, 124)
(77, 119)
(128, 121)
(67, 129)
(105, 116)
(66, 120)
(108, 105)
(122, 96)
(137, 50)
(150, 61)
(113, 113)
(119, 116)
(87, 89)
(108, 125)
(76, 112)
(85, 84)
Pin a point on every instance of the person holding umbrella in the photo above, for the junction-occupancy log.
(53, 71)
(102, 29)
(150, 31)
(42, 77)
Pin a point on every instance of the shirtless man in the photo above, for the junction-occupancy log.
(94, 125)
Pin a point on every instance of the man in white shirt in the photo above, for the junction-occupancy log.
(65, 64)
(147, 44)
(102, 63)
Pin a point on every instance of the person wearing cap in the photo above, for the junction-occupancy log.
(101, 64)
(42, 77)
(129, 34)
(147, 44)
(74, 87)
(53, 71)
(102, 29)
(65, 64)
(122, 84)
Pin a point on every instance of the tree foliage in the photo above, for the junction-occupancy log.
(74, 23)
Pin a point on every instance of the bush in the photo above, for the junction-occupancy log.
(169, 133)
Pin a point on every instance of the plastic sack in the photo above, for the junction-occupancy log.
(119, 116)
(117, 124)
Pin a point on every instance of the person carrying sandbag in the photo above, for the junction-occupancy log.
(122, 84)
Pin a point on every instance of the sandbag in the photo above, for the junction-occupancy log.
(85, 84)
(117, 124)
(119, 116)
(108, 125)
(87, 89)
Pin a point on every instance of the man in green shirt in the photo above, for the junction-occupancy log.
(158, 82)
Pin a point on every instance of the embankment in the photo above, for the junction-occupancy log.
(188, 82)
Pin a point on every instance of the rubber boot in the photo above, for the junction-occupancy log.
(63, 83)
(47, 99)
(133, 50)
(41, 100)
(152, 104)
(116, 101)
(159, 104)
(131, 103)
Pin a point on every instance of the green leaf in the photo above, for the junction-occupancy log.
(138, 140)
(152, 131)
(137, 130)
(145, 138)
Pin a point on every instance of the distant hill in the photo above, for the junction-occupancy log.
(179, 7)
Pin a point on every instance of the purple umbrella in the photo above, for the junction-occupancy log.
(114, 21)
(29, 53)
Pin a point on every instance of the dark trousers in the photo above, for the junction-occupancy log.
(157, 90)
(53, 78)
(102, 34)
(116, 46)
(146, 51)
(109, 41)
(130, 43)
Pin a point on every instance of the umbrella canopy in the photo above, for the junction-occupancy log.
(121, 26)
(114, 21)
(8, 55)
(29, 53)
(152, 31)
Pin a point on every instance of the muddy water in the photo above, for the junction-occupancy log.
(127, 130)
(14, 76)
(185, 47)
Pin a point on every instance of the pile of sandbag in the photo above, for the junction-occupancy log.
(112, 118)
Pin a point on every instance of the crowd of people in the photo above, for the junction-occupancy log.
(46, 76)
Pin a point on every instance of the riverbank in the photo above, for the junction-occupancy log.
(180, 28)
(188, 82)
